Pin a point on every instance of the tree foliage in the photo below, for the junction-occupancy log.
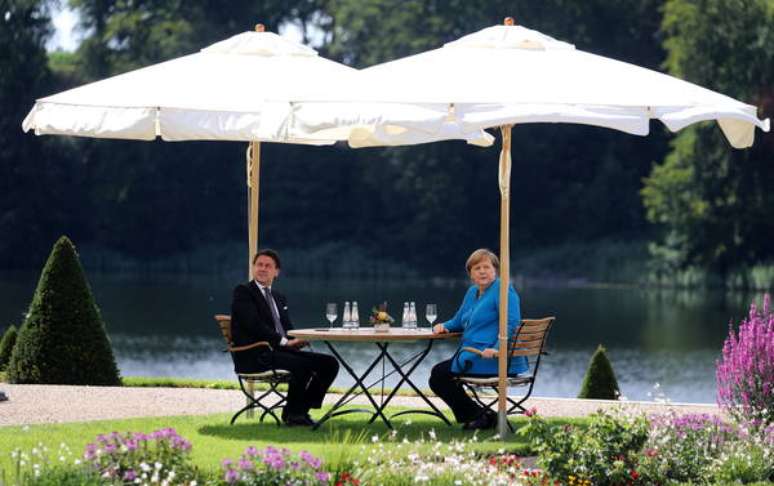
(712, 202)
(63, 339)
(6, 346)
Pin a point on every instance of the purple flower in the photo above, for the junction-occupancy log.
(251, 451)
(226, 463)
(231, 476)
(310, 459)
(745, 372)
(246, 465)
(130, 475)
(323, 477)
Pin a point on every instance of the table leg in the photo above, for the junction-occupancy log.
(405, 379)
(333, 412)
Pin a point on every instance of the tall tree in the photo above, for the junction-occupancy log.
(33, 191)
(714, 203)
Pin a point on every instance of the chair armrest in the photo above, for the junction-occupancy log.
(236, 349)
(477, 351)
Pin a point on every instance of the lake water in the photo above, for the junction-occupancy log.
(661, 343)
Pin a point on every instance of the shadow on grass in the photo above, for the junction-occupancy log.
(354, 428)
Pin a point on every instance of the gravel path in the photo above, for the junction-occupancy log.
(46, 404)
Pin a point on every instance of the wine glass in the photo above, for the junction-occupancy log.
(431, 313)
(331, 313)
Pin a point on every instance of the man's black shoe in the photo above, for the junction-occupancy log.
(302, 420)
(486, 420)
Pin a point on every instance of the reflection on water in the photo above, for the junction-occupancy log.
(163, 326)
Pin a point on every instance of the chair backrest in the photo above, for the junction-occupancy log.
(530, 339)
(224, 323)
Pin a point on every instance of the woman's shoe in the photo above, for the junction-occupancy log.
(486, 420)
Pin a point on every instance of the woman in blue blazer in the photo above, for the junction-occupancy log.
(478, 320)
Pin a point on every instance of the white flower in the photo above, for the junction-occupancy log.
(145, 467)
(375, 439)
(432, 434)
(158, 465)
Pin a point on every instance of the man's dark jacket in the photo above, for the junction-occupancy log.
(251, 321)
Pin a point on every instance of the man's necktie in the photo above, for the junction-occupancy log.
(273, 307)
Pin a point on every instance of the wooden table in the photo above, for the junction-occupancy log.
(382, 340)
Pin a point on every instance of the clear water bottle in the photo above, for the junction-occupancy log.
(346, 319)
(404, 320)
(355, 317)
(412, 315)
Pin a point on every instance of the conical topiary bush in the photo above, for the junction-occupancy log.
(63, 339)
(600, 381)
(6, 346)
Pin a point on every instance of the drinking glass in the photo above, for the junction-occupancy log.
(331, 313)
(431, 313)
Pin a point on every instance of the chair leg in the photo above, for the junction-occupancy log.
(280, 404)
(248, 389)
(251, 398)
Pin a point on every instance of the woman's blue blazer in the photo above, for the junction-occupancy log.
(478, 320)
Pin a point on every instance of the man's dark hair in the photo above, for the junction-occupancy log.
(269, 253)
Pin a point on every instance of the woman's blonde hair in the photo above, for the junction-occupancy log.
(478, 255)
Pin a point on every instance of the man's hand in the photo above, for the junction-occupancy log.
(439, 329)
(489, 353)
(297, 343)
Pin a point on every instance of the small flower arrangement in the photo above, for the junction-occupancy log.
(379, 318)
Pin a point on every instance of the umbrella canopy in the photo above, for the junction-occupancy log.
(242, 88)
(506, 75)
(510, 75)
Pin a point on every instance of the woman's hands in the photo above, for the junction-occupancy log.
(439, 329)
(489, 353)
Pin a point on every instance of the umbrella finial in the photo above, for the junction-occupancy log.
(509, 21)
(260, 28)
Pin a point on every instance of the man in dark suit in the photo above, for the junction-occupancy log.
(258, 313)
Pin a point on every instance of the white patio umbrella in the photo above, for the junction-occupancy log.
(506, 75)
(243, 89)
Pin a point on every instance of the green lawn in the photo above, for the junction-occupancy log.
(214, 439)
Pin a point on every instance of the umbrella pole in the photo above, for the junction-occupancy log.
(502, 365)
(253, 199)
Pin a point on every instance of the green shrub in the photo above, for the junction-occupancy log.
(6, 346)
(63, 339)
(745, 461)
(607, 453)
(600, 381)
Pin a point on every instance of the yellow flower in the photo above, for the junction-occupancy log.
(382, 316)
